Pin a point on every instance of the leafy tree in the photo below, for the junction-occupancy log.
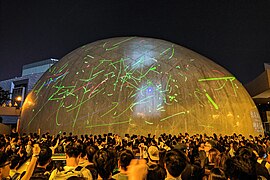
(4, 96)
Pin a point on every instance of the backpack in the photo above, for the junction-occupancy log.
(64, 175)
(38, 174)
(93, 170)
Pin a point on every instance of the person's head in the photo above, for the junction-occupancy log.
(90, 151)
(220, 160)
(246, 154)
(237, 168)
(209, 144)
(175, 162)
(44, 156)
(213, 154)
(124, 159)
(261, 151)
(182, 147)
(243, 165)
(104, 161)
(155, 171)
(153, 153)
(72, 151)
(4, 165)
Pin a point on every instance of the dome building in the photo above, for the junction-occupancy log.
(138, 85)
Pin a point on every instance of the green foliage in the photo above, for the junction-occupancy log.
(4, 96)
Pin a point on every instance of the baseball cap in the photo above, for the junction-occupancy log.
(153, 153)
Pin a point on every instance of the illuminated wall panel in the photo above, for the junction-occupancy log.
(138, 85)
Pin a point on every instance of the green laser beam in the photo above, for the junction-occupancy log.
(231, 78)
(211, 101)
(163, 119)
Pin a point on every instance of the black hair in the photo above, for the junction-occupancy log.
(176, 162)
(104, 161)
(125, 157)
(3, 158)
(246, 154)
(261, 151)
(162, 153)
(73, 150)
(44, 155)
(242, 165)
(155, 171)
(212, 143)
(90, 151)
(237, 168)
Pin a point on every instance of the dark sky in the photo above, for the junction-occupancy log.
(233, 33)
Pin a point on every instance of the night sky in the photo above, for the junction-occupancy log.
(233, 33)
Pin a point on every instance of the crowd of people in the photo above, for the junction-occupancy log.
(135, 157)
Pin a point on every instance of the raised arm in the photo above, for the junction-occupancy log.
(32, 165)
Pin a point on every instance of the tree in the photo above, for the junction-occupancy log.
(4, 96)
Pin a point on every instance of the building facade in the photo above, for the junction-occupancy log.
(21, 86)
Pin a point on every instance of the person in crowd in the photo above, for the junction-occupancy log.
(162, 153)
(266, 162)
(125, 158)
(153, 155)
(212, 156)
(71, 168)
(44, 159)
(175, 163)
(233, 148)
(88, 162)
(4, 166)
(156, 171)
(245, 166)
(197, 146)
(192, 171)
(15, 159)
(28, 148)
(105, 161)
(220, 161)
(14, 133)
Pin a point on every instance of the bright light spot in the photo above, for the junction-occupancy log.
(150, 89)
(19, 98)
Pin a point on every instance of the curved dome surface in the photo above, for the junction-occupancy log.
(138, 85)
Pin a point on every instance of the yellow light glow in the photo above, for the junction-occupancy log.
(19, 98)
